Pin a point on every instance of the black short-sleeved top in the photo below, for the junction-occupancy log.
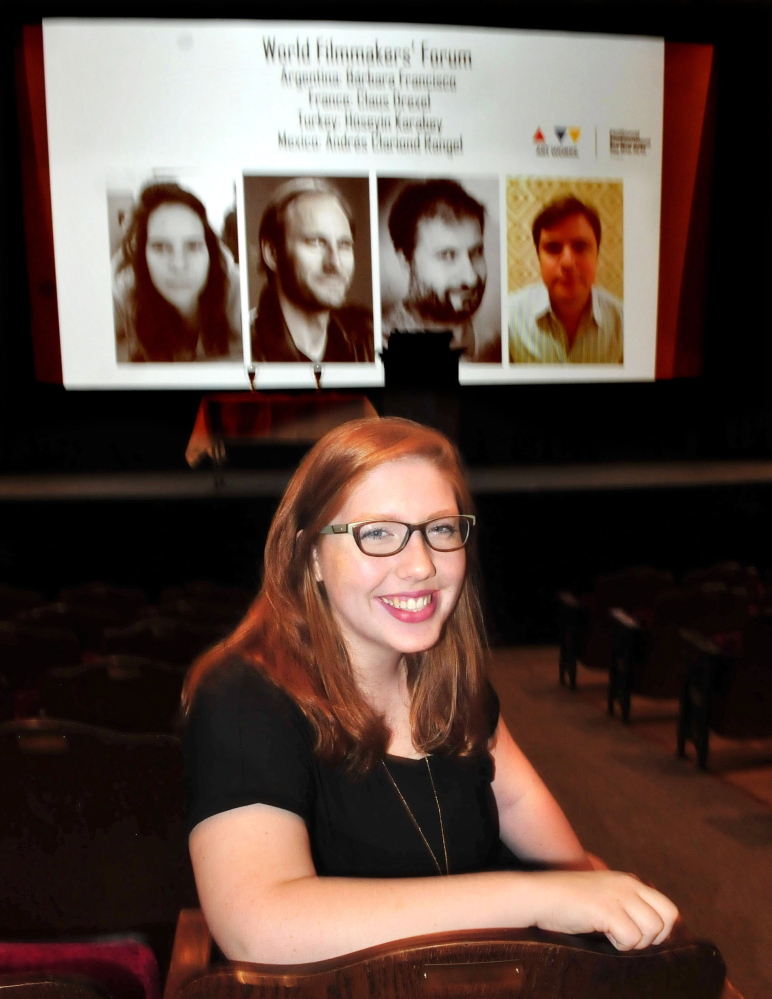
(246, 741)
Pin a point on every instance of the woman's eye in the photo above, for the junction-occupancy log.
(375, 533)
(443, 529)
(157, 247)
(195, 246)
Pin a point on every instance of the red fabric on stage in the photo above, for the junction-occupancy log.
(275, 416)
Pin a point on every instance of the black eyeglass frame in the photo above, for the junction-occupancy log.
(356, 527)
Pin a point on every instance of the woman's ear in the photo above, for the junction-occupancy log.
(315, 564)
(314, 559)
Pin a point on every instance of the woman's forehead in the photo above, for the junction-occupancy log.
(174, 219)
(395, 487)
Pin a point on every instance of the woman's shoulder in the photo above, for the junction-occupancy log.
(236, 685)
(245, 741)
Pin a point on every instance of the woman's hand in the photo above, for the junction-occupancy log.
(631, 914)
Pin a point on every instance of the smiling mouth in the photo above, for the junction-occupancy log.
(410, 604)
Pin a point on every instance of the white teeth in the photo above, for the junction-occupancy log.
(411, 604)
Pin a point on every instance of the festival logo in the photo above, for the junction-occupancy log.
(566, 146)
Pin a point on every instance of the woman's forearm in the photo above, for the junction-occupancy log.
(264, 902)
(313, 918)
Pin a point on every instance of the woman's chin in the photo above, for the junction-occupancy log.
(421, 641)
(186, 305)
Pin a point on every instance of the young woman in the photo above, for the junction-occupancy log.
(175, 286)
(343, 745)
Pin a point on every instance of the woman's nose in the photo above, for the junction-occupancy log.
(176, 258)
(416, 561)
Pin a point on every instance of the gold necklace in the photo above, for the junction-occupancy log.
(415, 820)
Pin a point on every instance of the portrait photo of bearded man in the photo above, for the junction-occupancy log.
(439, 246)
(310, 289)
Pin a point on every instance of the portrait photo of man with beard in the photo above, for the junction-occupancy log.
(308, 241)
(439, 245)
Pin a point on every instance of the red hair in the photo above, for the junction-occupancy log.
(290, 634)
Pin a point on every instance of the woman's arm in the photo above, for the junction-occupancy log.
(264, 902)
(531, 822)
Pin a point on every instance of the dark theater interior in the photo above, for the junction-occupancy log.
(623, 532)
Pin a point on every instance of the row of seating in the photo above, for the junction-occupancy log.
(650, 636)
(97, 620)
(122, 599)
(720, 596)
(93, 855)
(126, 693)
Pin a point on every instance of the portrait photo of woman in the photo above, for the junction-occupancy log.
(176, 290)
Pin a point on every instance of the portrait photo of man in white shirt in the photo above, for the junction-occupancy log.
(566, 317)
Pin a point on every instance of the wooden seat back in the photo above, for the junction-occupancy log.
(489, 964)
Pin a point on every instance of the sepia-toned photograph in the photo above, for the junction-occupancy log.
(565, 270)
(175, 276)
(439, 253)
(310, 269)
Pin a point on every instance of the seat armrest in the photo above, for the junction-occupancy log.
(191, 951)
(700, 642)
(707, 659)
(624, 619)
(568, 599)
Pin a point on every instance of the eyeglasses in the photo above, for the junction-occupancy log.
(387, 537)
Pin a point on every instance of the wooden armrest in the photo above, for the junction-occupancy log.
(502, 963)
(191, 951)
(569, 599)
(626, 620)
(700, 642)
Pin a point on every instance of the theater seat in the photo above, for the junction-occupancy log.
(92, 837)
(120, 968)
(495, 964)
(118, 692)
(730, 695)
(42, 985)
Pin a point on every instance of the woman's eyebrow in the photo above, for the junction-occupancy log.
(399, 519)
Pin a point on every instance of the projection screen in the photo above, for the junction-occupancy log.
(354, 180)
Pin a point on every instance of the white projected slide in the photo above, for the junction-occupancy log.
(273, 196)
